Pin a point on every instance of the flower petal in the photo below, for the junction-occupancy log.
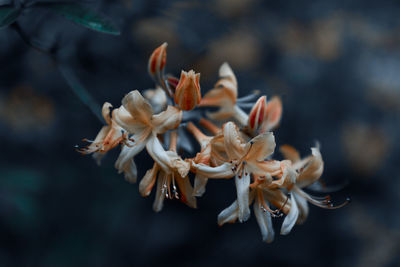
(262, 146)
(290, 153)
(148, 181)
(291, 218)
(157, 152)
(222, 171)
(312, 171)
(225, 71)
(229, 215)
(273, 114)
(139, 108)
(127, 154)
(200, 182)
(106, 110)
(303, 207)
(160, 195)
(234, 144)
(242, 192)
(157, 99)
(264, 222)
(130, 172)
(186, 191)
(167, 120)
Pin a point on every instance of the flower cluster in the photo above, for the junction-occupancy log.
(237, 145)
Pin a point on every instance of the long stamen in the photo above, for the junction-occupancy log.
(326, 203)
(174, 190)
(264, 205)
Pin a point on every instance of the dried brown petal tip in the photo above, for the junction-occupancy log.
(187, 93)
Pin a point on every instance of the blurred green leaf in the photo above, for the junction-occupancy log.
(83, 16)
(8, 15)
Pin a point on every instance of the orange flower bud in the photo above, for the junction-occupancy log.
(187, 92)
(157, 60)
(257, 114)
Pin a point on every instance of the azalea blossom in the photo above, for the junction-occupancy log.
(310, 170)
(166, 120)
(136, 116)
(243, 159)
(224, 95)
(169, 181)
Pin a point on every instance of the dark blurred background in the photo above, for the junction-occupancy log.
(336, 65)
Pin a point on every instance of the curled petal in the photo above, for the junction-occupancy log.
(290, 153)
(131, 124)
(167, 120)
(262, 146)
(139, 108)
(157, 60)
(234, 143)
(127, 154)
(242, 191)
(222, 171)
(313, 169)
(148, 181)
(186, 189)
(224, 93)
(226, 72)
(288, 178)
(291, 218)
(273, 114)
(200, 182)
(187, 92)
(229, 215)
(181, 166)
(264, 222)
(106, 111)
(157, 152)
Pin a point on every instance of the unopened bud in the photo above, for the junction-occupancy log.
(187, 92)
(157, 60)
(257, 114)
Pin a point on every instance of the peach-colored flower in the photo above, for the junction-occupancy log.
(224, 96)
(136, 116)
(243, 159)
(187, 92)
(262, 199)
(309, 172)
(170, 180)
